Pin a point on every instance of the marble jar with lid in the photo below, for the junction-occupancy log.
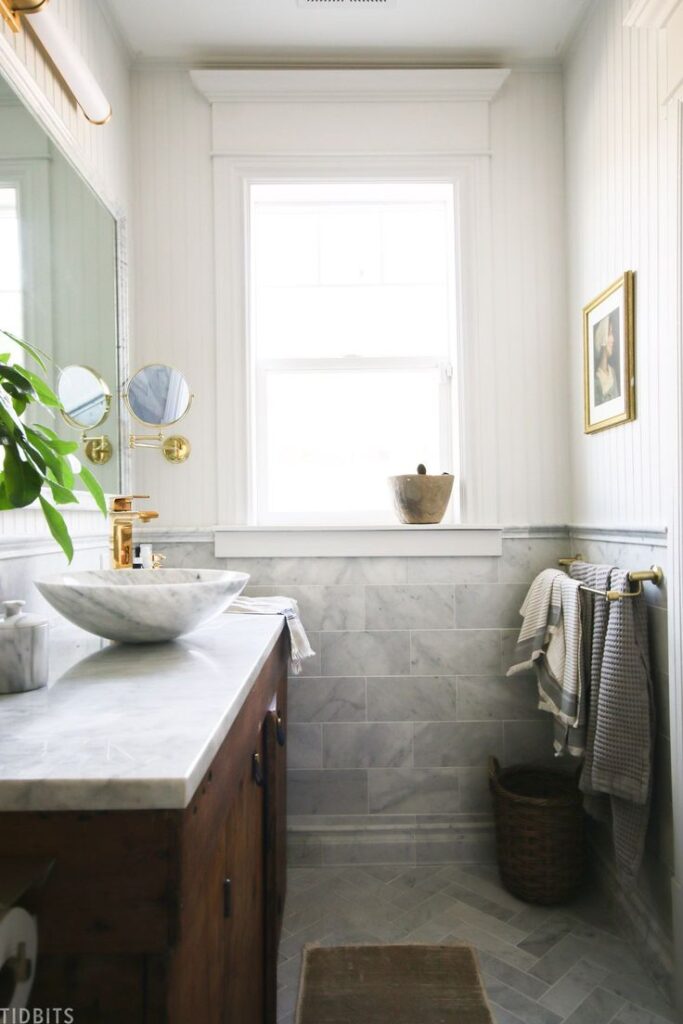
(24, 649)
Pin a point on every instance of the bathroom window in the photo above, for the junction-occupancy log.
(11, 286)
(352, 323)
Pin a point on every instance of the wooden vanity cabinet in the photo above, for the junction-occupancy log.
(171, 917)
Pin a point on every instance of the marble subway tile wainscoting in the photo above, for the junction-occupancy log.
(391, 724)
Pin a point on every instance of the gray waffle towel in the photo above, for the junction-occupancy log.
(621, 720)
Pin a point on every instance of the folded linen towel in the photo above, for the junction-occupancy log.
(598, 578)
(300, 648)
(550, 642)
(541, 614)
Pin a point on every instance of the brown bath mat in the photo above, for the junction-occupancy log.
(391, 985)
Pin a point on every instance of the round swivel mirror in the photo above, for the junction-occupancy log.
(85, 397)
(158, 395)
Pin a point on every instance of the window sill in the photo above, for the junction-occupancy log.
(357, 541)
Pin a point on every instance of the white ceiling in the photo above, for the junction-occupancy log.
(285, 31)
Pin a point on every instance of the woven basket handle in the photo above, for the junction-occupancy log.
(494, 770)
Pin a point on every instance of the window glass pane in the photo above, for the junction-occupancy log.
(330, 322)
(332, 439)
(342, 273)
(11, 297)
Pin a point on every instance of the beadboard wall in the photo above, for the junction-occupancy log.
(613, 144)
(613, 123)
(527, 458)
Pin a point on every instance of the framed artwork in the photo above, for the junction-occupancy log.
(608, 357)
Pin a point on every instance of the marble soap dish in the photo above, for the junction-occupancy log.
(24, 650)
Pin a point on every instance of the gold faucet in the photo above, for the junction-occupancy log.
(122, 518)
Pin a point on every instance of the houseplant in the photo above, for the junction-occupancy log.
(36, 461)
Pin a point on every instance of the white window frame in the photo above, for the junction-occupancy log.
(233, 177)
(258, 370)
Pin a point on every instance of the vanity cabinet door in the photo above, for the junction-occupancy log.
(244, 903)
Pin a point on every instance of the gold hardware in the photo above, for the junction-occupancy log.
(145, 440)
(655, 574)
(176, 448)
(12, 9)
(98, 449)
(122, 516)
(157, 560)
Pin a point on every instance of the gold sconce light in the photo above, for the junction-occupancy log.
(58, 45)
(159, 395)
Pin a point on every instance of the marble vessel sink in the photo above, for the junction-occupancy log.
(142, 606)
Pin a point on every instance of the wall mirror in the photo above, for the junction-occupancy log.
(158, 395)
(58, 287)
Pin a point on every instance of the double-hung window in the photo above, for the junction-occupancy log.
(352, 325)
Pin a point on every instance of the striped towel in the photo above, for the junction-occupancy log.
(621, 729)
(550, 642)
(300, 648)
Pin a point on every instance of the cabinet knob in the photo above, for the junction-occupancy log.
(280, 729)
(257, 769)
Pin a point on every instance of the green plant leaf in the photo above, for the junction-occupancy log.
(62, 495)
(56, 463)
(44, 392)
(22, 480)
(37, 354)
(55, 442)
(16, 378)
(94, 487)
(58, 528)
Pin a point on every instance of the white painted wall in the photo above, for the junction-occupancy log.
(613, 120)
(527, 458)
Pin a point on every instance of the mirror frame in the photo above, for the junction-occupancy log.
(150, 423)
(39, 106)
(106, 394)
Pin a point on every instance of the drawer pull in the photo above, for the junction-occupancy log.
(257, 769)
(227, 897)
(280, 729)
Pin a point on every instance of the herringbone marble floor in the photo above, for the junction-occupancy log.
(539, 966)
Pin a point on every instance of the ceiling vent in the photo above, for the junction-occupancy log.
(346, 3)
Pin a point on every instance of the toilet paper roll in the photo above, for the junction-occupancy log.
(18, 952)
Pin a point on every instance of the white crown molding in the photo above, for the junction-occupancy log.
(333, 85)
(650, 13)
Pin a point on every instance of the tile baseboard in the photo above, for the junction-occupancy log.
(402, 840)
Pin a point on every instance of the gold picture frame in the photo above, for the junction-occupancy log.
(609, 384)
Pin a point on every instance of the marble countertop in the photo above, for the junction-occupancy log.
(128, 727)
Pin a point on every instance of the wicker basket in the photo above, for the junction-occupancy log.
(539, 832)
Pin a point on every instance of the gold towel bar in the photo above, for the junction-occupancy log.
(653, 575)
